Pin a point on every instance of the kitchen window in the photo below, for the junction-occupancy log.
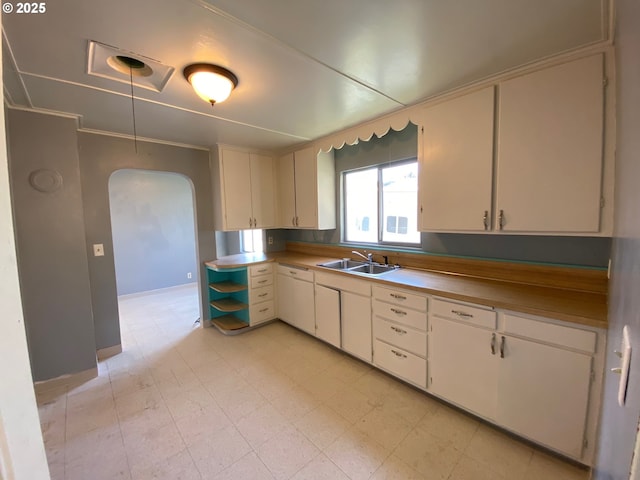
(252, 241)
(380, 204)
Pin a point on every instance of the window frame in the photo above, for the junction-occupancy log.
(380, 214)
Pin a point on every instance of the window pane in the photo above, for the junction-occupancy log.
(252, 241)
(361, 206)
(400, 203)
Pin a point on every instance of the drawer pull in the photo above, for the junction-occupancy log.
(398, 330)
(263, 310)
(398, 296)
(398, 312)
(398, 354)
(262, 270)
(502, 347)
(293, 272)
(493, 344)
(462, 314)
(263, 281)
(263, 295)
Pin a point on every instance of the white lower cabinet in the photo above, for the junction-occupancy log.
(527, 375)
(543, 393)
(462, 366)
(399, 330)
(536, 377)
(296, 297)
(328, 315)
(351, 299)
(356, 325)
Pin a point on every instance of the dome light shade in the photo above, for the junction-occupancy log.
(211, 82)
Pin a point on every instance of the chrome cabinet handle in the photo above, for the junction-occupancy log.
(398, 312)
(501, 219)
(485, 220)
(397, 296)
(398, 354)
(462, 314)
(502, 347)
(399, 330)
(493, 344)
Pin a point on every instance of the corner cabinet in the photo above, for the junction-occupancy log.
(306, 190)
(241, 297)
(548, 176)
(244, 189)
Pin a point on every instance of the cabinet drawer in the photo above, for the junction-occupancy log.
(261, 281)
(261, 312)
(401, 336)
(296, 272)
(405, 365)
(261, 294)
(549, 333)
(399, 314)
(399, 297)
(262, 269)
(464, 313)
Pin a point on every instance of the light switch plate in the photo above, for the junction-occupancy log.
(98, 250)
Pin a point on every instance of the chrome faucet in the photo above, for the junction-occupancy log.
(368, 257)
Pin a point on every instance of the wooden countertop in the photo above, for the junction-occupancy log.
(584, 308)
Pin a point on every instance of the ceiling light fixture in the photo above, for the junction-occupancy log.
(211, 82)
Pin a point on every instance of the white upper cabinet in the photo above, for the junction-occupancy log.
(533, 164)
(306, 190)
(244, 193)
(456, 167)
(550, 149)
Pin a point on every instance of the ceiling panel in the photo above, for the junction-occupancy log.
(306, 68)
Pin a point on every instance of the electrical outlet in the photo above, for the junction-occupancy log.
(98, 250)
(270, 240)
(189, 275)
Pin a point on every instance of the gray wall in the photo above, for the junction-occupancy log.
(102, 155)
(584, 251)
(152, 219)
(52, 254)
(619, 424)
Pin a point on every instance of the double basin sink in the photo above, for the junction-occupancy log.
(355, 266)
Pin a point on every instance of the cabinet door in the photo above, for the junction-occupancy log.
(456, 166)
(303, 301)
(285, 300)
(286, 191)
(236, 182)
(356, 325)
(549, 162)
(263, 191)
(306, 188)
(543, 393)
(328, 315)
(463, 365)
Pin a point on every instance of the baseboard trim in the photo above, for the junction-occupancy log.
(104, 353)
(66, 380)
(158, 290)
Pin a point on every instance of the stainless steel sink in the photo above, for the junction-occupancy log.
(342, 264)
(354, 266)
(374, 269)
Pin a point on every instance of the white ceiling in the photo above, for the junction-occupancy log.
(306, 68)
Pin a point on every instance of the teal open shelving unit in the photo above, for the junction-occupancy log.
(229, 299)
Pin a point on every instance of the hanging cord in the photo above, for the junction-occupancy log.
(133, 110)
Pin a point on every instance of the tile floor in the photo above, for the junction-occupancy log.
(186, 403)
